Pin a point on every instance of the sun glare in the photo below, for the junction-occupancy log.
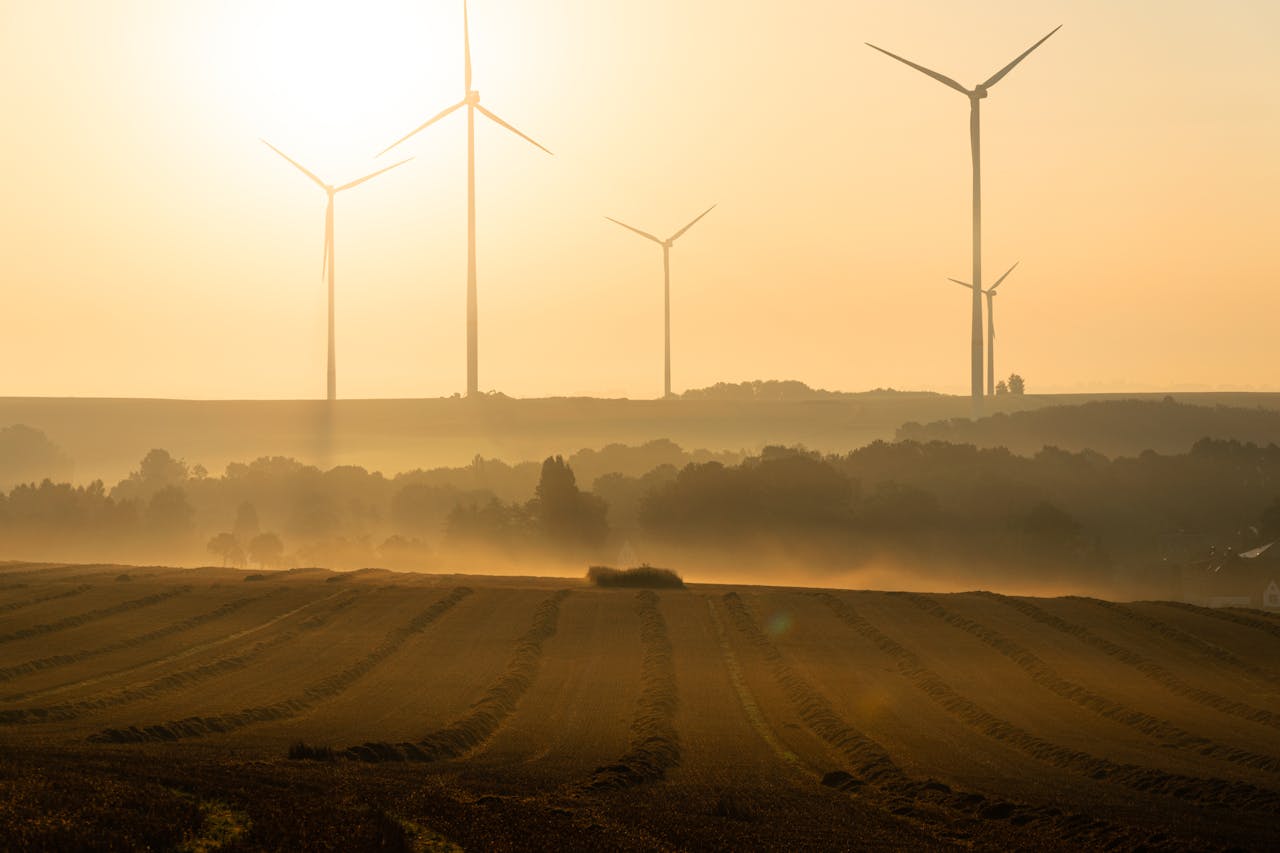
(334, 81)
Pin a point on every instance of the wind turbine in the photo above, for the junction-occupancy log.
(990, 293)
(470, 100)
(327, 268)
(666, 288)
(975, 96)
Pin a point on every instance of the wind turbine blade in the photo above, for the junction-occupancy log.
(644, 234)
(961, 283)
(676, 235)
(1003, 277)
(526, 138)
(999, 75)
(360, 181)
(941, 78)
(435, 118)
(466, 47)
(297, 165)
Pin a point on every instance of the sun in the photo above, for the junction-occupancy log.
(334, 80)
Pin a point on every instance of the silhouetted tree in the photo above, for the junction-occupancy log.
(246, 526)
(158, 470)
(565, 515)
(1017, 385)
(1050, 525)
(266, 549)
(28, 456)
(226, 546)
(1001, 388)
(169, 514)
(1269, 521)
(492, 523)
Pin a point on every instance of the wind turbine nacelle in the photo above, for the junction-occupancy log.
(472, 98)
(980, 92)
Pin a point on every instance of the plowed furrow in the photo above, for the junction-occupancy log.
(869, 759)
(93, 615)
(41, 599)
(1235, 617)
(1144, 665)
(1044, 675)
(746, 699)
(1185, 638)
(490, 710)
(180, 680)
(1190, 788)
(293, 706)
(655, 743)
(932, 803)
(9, 673)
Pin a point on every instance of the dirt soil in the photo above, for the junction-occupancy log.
(199, 710)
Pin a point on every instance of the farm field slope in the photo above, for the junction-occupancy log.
(525, 713)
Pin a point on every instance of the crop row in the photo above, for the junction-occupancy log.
(655, 743)
(179, 680)
(93, 615)
(1142, 664)
(1267, 624)
(325, 689)
(490, 710)
(11, 606)
(951, 814)
(1164, 629)
(1146, 779)
(1041, 673)
(52, 661)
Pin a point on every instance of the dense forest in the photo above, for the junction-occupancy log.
(1112, 427)
(1051, 515)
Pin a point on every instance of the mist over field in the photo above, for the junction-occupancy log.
(634, 426)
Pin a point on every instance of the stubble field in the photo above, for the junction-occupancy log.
(500, 713)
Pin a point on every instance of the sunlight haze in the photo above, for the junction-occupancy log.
(155, 248)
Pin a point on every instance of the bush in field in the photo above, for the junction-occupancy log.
(642, 576)
(302, 751)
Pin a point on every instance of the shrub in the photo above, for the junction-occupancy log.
(642, 576)
(301, 751)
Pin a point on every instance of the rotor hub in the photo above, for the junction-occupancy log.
(473, 98)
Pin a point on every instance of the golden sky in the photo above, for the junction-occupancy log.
(153, 247)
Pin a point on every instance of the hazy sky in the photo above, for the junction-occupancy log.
(153, 247)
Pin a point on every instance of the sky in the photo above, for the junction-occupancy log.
(153, 247)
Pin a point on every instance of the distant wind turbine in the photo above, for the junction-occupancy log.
(666, 288)
(327, 267)
(470, 100)
(990, 293)
(975, 96)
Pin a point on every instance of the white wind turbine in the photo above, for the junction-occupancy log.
(975, 96)
(327, 268)
(666, 288)
(990, 293)
(470, 100)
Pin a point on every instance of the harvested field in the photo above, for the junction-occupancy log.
(508, 713)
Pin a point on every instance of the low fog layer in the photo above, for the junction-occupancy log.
(900, 515)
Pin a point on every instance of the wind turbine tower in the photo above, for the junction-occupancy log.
(666, 289)
(327, 268)
(975, 96)
(470, 100)
(990, 293)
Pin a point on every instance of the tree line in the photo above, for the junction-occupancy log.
(934, 503)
